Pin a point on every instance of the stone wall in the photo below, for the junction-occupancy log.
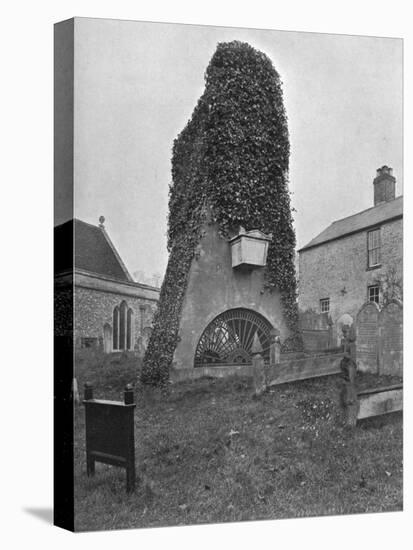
(338, 270)
(94, 310)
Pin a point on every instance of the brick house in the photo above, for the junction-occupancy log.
(110, 310)
(356, 259)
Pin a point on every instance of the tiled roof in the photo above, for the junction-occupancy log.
(93, 250)
(357, 222)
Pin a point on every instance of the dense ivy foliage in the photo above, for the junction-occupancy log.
(231, 161)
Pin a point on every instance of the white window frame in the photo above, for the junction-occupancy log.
(376, 294)
(374, 248)
(322, 302)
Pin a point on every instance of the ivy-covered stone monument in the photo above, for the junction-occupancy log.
(230, 277)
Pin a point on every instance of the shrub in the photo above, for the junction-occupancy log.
(230, 166)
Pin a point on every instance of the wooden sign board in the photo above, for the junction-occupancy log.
(110, 435)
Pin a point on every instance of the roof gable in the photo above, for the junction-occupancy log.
(93, 250)
(358, 222)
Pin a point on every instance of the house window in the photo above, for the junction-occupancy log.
(373, 293)
(373, 247)
(122, 327)
(325, 305)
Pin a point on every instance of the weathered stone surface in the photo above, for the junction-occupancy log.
(367, 337)
(350, 403)
(94, 311)
(391, 339)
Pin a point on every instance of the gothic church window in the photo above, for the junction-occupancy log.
(122, 327)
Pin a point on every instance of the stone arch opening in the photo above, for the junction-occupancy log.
(116, 328)
(227, 340)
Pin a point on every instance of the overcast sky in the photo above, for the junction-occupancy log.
(136, 85)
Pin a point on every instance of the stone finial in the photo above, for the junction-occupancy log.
(384, 170)
(274, 334)
(101, 221)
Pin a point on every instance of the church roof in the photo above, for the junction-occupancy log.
(94, 252)
(358, 222)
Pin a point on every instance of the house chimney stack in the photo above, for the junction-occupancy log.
(384, 185)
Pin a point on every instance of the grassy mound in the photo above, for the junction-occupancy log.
(210, 452)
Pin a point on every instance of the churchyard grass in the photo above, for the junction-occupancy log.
(211, 452)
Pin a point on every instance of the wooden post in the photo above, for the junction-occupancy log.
(130, 464)
(348, 367)
(128, 394)
(350, 403)
(260, 382)
(275, 347)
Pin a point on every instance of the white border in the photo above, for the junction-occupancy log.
(26, 221)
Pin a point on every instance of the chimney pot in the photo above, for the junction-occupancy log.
(384, 185)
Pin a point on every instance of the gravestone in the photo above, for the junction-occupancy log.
(367, 337)
(316, 330)
(391, 339)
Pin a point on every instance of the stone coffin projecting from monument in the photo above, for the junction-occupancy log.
(249, 248)
(225, 307)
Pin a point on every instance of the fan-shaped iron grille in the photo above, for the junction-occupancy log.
(228, 339)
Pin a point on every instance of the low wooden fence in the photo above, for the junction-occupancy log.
(373, 402)
(301, 369)
(288, 370)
